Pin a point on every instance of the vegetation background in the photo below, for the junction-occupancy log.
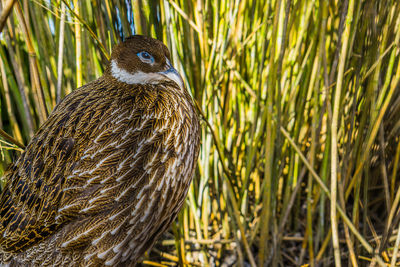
(300, 101)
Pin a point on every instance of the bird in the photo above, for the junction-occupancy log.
(108, 171)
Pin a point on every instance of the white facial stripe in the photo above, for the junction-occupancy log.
(141, 77)
(138, 77)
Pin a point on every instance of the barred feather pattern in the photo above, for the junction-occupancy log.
(102, 178)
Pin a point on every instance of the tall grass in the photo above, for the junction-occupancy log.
(300, 107)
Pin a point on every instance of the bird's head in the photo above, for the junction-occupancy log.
(142, 60)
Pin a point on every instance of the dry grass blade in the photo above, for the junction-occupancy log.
(5, 13)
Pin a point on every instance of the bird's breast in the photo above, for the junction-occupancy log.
(134, 174)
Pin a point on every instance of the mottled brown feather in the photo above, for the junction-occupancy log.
(104, 176)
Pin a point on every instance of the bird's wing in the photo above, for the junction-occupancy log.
(30, 199)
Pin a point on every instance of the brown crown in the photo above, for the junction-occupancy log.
(125, 54)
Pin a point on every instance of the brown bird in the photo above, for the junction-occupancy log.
(109, 170)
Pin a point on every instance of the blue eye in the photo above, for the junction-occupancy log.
(145, 57)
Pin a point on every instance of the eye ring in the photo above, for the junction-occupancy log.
(145, 57)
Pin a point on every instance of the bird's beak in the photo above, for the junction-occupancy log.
(172, 74)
